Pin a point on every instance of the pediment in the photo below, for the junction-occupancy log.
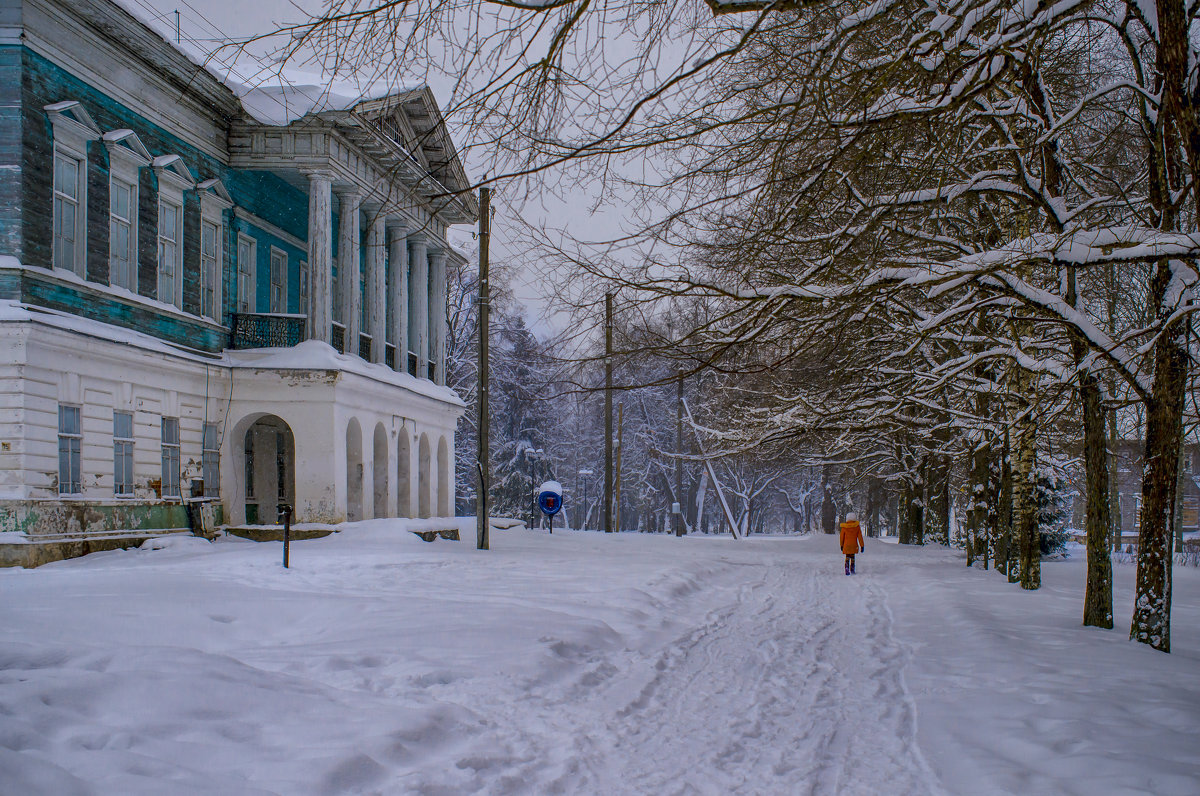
(126, 142)
(74, 112)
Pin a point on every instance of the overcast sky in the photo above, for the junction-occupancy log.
(205, 22)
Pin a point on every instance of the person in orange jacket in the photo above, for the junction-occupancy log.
(852, 540)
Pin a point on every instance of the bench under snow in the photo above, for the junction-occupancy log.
(453, 527)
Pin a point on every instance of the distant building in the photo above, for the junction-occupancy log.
(1129, 486)
(239, 295)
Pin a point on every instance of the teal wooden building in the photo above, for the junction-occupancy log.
(212, 294)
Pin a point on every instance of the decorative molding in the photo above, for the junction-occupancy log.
(125, 144)
(242, 214)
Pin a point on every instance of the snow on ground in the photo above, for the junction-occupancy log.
(580, 663)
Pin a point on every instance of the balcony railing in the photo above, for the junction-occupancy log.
(337, 337)
(364, 346)
(266, 330)
(389, 355)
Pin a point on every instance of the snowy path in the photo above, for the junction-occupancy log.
(793, 687)
(580, 664)
(803, 676)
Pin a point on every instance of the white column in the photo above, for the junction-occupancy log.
(418, 302)
(320, 261)
(377, 283)
(348, 257)
(320, 468)
(437, 313)
(398, 257)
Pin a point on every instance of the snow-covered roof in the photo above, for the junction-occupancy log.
(283, 104)
(315, 355)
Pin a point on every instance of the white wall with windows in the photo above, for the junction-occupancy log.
(111, 421)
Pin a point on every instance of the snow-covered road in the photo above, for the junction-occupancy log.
(579, 663)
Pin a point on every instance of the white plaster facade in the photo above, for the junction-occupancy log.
(48, 358)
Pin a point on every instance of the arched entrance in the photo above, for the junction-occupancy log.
(380, 458)
(268, 471)
(354, 472)
(444, 479)
(423, 485)
(403, 475)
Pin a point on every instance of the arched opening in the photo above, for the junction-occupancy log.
(381, 472)
(267, 473)
(444, 479)
(403, 475)
(354, 472)
(423, 465)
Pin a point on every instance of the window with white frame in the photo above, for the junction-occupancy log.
(123, 454)
(246, 256)
(211, 460)
(210, 272)
(170, 457)
(173, 179)
(69, 172)
(70, 439)
(73, 128)
(278, 280)
(170, 252)
(126, 155)
(122, 211)
(214, 201)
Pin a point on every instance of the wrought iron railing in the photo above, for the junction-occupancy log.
(337, 337)
(364, 346)
(389, 355)
(412, 364)
(265, 330)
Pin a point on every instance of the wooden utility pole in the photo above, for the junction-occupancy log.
(608, 426)
(617, 483)
(679, 454)
(484, 463)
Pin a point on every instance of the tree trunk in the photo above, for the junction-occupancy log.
(1097, 595)
(1175, 122)
(828, 512)
(939, 498)
(1114, 482)
(1024, 500)
(1004, 519)
(1097, 599)
(977, 507)
(1164, 421)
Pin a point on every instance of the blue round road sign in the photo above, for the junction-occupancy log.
(550, 503)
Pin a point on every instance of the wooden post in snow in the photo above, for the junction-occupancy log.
(608, 427)
(483, 464)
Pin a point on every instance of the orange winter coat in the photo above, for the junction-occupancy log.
(852, 538)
